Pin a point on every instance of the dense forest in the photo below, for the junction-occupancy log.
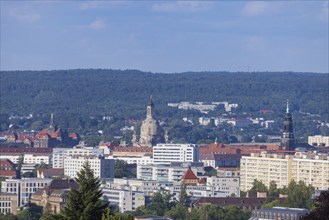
(124, 93)
(80, 98)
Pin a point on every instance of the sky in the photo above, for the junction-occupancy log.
(165, 36)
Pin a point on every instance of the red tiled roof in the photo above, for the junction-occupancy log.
(189, 175)
(8, 173)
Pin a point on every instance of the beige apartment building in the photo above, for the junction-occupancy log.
(310, 167)
(265, 167)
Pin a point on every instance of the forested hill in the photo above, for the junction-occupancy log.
(125, 93)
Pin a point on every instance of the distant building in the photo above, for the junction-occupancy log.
(189, 178)
(23, 188)
(240, 122)
(173, 172)
(150, 129)
(167, 153)
(312, 168)
(8, 203)
(55, 194)
(102, 167)
(60, 153)
(318, 140)
(125, 199)
(7, 168)
(278, 213)
(287, 138)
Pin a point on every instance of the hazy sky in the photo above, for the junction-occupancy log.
(165, 36)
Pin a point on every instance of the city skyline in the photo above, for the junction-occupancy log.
(165, 36)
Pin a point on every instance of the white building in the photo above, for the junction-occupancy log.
(23, 188)
(60, 153)
(167, 153)
(125, 198)
(164, 173)
(102, 168)
(265, 167)
(143, 160)
(318, 140)
(29, 158)
(312, 168)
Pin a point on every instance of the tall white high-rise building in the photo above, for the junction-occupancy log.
(167, 153)
(60, 153)
(102, 167)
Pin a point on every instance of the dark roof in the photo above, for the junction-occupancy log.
(24, 150)
(58, 184)
(238, 201)
(52, 171)
(229, 156)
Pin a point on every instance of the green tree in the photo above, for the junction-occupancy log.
(299, 195)
(8, 216)
(182, 200)
(121, 170)
(257, 186)
(162, 202)
(321, 208)
(177, 212)
(271, 204)
(85, 203)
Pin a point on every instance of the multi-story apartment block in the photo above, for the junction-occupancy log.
(318, 140)
(312, 168)
(173, 172)
(125, 198)
(60, 153)
(226, 185)
(102, 167)
(29, 158)
(8, 203)
(144, 160)
(265, 167)
(23, 188)
(167, 153)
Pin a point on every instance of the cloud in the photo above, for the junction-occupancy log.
(98, 24)
(24, 17)
(88, 5)
(256, 8)
(181, 6)
(324, 13)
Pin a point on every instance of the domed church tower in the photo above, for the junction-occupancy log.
(287, 137)
(149, 135)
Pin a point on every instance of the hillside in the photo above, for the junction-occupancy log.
(124, 93)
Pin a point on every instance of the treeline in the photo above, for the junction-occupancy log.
(124, 93)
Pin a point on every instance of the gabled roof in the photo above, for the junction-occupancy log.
(189, 175)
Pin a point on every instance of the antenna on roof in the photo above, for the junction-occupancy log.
(287, 110)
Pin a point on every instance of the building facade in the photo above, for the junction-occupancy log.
(125, 198)
(312, 168)
(23, 188)
(60, 153)
(8, 203)
(318, 140)
(102, 167)
(167, 153)
(164, 173)
(266, 168)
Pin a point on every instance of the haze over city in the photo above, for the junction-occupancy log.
(165, 36)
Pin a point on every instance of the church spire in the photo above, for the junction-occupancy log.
(287, 109)
(52, 126)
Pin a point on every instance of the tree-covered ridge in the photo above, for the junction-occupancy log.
(124, 93)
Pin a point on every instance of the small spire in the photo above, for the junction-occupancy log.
(151, 101)
(287, 110)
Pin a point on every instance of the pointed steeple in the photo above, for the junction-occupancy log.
(52, 126)
(287, 109)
